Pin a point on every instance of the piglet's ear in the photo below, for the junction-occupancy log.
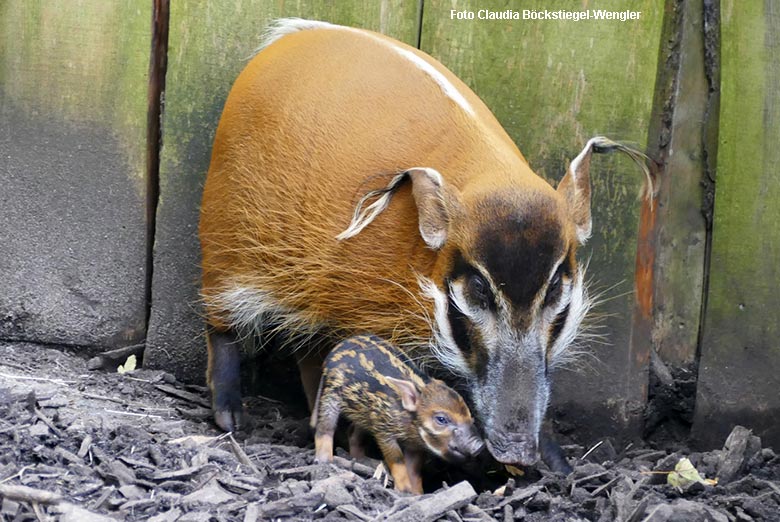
(407, 391)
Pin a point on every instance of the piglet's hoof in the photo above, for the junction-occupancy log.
(229, 420)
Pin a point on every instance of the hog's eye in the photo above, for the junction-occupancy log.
(442, 420)
(479, 290)
(554, 289)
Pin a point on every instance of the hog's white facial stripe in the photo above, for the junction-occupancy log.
(579, 304)
(477, 316)
(444, 348)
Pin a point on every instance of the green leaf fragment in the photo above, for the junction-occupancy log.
(129, 365)
(685, 474)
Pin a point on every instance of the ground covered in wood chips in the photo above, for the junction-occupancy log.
(91, 445)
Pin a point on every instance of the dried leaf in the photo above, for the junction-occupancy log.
(685, 474)
(129, 365)
(517, 472)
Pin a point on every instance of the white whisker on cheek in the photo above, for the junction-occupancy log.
(444, 347)
(579, 304)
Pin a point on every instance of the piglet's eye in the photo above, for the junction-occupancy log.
(441, 420)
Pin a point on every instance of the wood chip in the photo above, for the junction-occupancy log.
(72, 513)
(178, 474)
(211, 493)
(432, 507)
(169, 516)
(67, 455)
(241, 455)
(135, 463)
(137, 504)
(103, 498)
(85, 445)
(518, 496)
(110, 359)
(354, 466)
(601, 488)
(27, 494)
(184, 395)
(46, 420)
(252, 512)
(351, 512)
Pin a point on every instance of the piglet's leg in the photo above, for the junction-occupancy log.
(394, 458)
(414, 461)
(329, 408)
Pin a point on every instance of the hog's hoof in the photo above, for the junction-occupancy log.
(229, 420)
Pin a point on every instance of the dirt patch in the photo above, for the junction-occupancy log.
(90, 445)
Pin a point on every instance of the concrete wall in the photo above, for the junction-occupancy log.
(72, 150)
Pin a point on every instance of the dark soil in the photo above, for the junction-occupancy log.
(81, 445)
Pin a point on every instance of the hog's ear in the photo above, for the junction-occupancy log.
(575, 189)
(436, 205)
(575, 185)
(432, 212)
(407, 391)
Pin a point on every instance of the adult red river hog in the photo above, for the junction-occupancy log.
(356, 185)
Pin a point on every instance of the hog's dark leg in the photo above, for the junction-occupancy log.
(414, 462)
(328, 411)
(224, 378)
(552, 454)
(357, 442)
(310, 368)
(394, 458)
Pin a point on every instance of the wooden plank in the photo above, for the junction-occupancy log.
(678, 142)
(553, 84)
(209, 44)
(73, 83)
(738, 374)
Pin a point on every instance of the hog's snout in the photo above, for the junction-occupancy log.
(513, 448)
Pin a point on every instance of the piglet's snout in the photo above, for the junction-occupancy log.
(467, 442)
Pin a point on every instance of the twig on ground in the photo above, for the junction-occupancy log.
(27, 494)
(133, 414)
(184, 395)
(18, 474)
(110, 359)
(47, 421)
(591, 450)
(13, 365)
(42, 379)
(241, 455)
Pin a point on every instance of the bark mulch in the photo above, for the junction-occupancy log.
(84, 445)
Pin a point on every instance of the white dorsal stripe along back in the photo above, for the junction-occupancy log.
(285, 26)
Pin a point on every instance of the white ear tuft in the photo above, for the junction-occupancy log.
(427, 190)
(575, 185)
